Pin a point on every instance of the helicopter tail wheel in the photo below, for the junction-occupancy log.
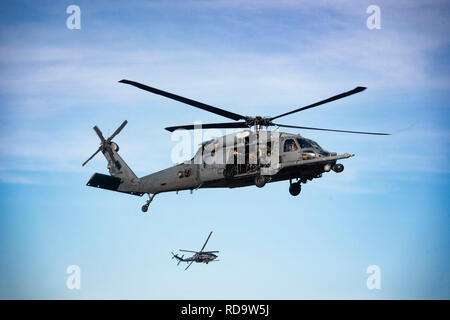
(338, 167)
(260, 181)
(295, 188)
(144, 208)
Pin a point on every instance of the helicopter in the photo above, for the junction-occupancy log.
(199, 256)
(240, 159)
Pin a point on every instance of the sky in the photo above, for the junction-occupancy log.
(388, 208)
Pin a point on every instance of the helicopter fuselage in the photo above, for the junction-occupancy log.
(296, 158)
(201, 258)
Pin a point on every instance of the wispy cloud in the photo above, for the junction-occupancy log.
(14, 178)
(242, 61)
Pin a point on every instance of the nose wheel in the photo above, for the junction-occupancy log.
(295, 188)
(145, 206)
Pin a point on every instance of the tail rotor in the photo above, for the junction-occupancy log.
(180, 259)
(105, 144)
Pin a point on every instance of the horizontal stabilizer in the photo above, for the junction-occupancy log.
(107, 182)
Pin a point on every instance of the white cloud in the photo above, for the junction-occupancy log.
(14, 178)
(43, 81)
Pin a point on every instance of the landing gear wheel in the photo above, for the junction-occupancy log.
(260, 181)
(144, 208)
(338, 167)
(295, 188)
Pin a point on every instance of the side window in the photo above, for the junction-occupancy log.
(289, 145)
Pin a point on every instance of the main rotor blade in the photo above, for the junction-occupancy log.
(189, 265)
(197, 104)
(339, 96)
(189, 251)
(84, 163)
(210, 251)
(99, 133)
(206, 242)
(117, 130)
(224, 125)
(345, 131)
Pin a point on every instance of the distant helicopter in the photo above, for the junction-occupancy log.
(249, 157)
(199, 256)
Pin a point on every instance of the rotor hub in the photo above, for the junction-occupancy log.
(258, 121)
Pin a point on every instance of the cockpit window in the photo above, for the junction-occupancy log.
(304, 143)
(290, 145)
(315, 145)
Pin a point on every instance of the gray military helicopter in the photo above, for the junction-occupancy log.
(249, 157)
(199, 256)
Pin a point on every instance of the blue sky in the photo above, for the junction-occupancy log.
(389, 207)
